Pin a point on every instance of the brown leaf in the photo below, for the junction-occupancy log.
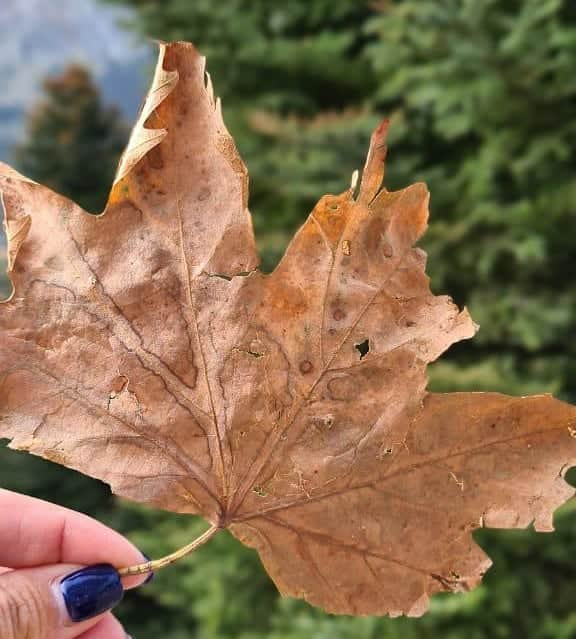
(142, 347)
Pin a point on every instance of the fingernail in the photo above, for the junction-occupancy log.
(91, 591)
(151, 575)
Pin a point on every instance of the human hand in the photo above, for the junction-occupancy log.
(57, 579)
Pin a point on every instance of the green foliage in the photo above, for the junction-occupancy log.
(73, 141)
(485, 97)
(482, 94)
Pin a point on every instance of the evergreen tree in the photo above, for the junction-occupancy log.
(73, 141)
(484, 93)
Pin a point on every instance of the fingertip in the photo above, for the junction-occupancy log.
(91, 591)
(36, 532)
(108, 628)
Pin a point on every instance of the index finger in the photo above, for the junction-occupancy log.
(36, 533)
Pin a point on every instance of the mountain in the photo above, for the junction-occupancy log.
(39, 37)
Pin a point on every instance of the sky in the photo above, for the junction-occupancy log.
(39, 37)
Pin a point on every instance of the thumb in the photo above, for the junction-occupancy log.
(57, 602)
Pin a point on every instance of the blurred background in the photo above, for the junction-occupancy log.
(482, 96)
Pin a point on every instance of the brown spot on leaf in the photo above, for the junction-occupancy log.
(339, 314)
(155, 159)
(305, 367)
(373, 236)
(118, 384)
(342, 388)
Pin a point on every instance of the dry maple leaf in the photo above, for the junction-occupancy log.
(144, 348)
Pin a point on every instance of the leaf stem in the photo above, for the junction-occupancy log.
(157, 564)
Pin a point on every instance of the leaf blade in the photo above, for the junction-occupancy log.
(415, 516)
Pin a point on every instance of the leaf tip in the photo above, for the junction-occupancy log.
(466, 320)
(373, 174)
(144, 138)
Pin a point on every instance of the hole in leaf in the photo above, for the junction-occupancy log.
(570, 476)
(363, 348)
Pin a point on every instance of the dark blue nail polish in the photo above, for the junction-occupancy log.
(151, 575)
(91, 591)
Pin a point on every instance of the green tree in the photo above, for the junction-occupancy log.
(73, 141)
(484, 94)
